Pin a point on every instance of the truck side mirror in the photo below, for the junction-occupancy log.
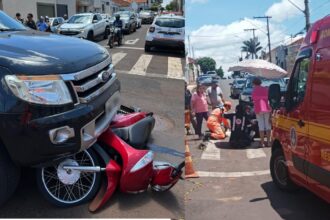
(230, 84)
(274, 96)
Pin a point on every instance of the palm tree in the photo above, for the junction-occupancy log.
(252, 47)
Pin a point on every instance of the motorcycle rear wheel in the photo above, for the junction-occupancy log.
(69, 188)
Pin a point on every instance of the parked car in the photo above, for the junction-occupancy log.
(301, 126)
(129, 21)
(245, 97)
(147, 17)
(206, 79)
(236, 87)
(85, 25)
(55, 23)
(166, 31)
(211, 72)
(57, 97)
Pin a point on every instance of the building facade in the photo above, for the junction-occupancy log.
(51, 8)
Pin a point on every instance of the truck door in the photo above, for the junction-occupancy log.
(295, 121)
(318, 170)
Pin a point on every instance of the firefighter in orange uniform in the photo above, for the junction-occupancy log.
(216, 119)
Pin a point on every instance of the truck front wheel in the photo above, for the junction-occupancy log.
(279, 171)
(9, 176)
(69, 187)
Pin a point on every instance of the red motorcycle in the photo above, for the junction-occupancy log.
(121, 154)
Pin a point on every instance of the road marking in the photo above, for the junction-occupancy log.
(229, 199)
(211, 152)
(255, 153)
(153, 75)
(140, 68)
(132, 48)
(174, 69)
(233, 174)
(116, 57)
(131, 42)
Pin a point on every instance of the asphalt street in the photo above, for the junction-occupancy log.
(155, 88)
(130, 58)
(236, 184)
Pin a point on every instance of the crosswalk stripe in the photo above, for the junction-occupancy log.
(174, 69)
(116, 57)
(211, 152)
(140, 67)
(255, 153)
(233, 174)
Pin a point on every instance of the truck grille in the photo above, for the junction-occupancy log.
(90, 83)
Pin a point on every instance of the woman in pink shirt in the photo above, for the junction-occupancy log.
(262, 110)
(200, 108)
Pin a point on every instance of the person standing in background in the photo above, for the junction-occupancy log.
(18, 18)
(30, 22)
(262, 110)
(42, 25)
(199, 107)
(189, 119)
(215, 95)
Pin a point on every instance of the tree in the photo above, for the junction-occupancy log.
(251, 47)
(172, 6)
(155, 7)
(220, 71)
(206, 64)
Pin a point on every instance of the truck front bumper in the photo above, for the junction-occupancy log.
(31, 143)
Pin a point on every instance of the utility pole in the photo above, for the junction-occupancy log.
(254, 39)
(189, 47)
(306, 13)
(268, 34)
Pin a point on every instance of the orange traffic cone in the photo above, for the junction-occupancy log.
(189, 169)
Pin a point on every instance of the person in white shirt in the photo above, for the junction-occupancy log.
(215, 95)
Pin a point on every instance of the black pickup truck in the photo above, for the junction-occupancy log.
(57, 95)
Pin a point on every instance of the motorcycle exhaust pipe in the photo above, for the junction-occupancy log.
(87, 169)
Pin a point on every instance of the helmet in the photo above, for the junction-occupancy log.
(227, 105)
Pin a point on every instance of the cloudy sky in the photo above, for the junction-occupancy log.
(216, 27)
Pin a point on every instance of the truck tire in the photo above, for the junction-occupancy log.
(9, 176)
(74, 187)
(90, 36)
(280, 173)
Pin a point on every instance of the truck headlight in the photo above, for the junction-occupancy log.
(46, 90)
(245, 98)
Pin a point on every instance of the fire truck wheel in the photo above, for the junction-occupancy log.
(9, 176)
(68, 187)
(279, 171)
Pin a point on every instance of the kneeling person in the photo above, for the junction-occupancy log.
(217, 120)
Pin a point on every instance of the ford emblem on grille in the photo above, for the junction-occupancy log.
(104, 76)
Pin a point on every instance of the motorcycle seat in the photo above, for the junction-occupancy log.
(137, 134)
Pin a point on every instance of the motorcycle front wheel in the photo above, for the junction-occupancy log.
(66, 188)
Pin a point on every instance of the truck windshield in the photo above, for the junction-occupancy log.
(79, 19)
(9, 24)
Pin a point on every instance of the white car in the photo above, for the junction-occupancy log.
(55, 23)
(166, 31)
(85, 25)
